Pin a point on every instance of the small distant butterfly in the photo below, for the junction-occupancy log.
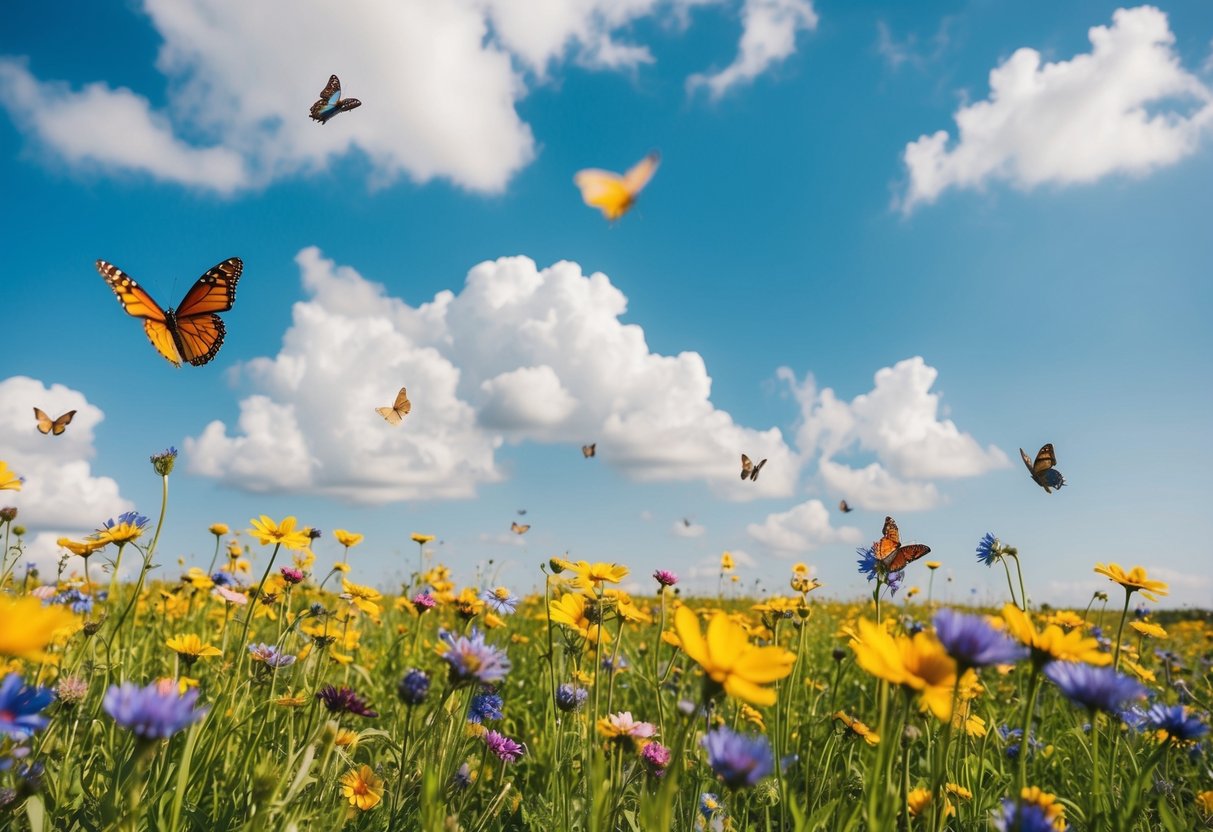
(399, 409)
(749, 471)
(192, 332)
(1042, 470)
(521, 512)
(56, 426)
(611, 193)
(889, 551)
(844, 508)
(520, 528)
(686, 522)
(331, 103)
(588, 451)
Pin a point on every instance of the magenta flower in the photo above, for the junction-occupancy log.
(665, 577)
(505, 748)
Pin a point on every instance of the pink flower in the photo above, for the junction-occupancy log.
(237, 598)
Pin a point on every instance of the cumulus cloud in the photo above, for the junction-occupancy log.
(768, 36)
(899, 423)
(801, 529)
(440, 83)
(1127, 106)
(520, 354)
(61, 494)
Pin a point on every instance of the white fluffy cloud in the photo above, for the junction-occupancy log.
(521, 353)
(802, 529)
(899, 423)
(440, 83)
(1127, 106)
(61, 494)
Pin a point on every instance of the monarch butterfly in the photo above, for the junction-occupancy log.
(844, 508)
(331, 103)
(520, 528)
(56, 426)
(892, 555)
(1042, 470)
(611, 193)
(749, 471)
(588, 451)
(193, 331)
(399, 409)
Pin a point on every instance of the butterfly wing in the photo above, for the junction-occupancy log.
(139, 304)
(60, 424)
(757, 468)
(746, 467)
(402, 404)
(890, 540)
(389, 413)
(44, 422)
(605, 191)
(200, 332)
(843, 507)
(903, 556)
(346, 104)
(1045, 459)
(519, 528)
(640, 174)
(588, 451)
(323, 110)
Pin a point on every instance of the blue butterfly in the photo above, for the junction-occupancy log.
(331, 103)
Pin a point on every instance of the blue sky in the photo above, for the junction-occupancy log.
(1039, 276)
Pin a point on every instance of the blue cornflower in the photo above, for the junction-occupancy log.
(223, 579)
(972, 642)
(154, 712)
(739, 760)
(75, 600)
(485, 706)
(270, 656)
(1025, 817)
(611, 665)
(20, 706)
(1094, 688)
(987, 549)
(413, 687)
(1176, 722)
(500, 600)
(472, 660)
(570, 697)
(1012, 748)
(128, 518)
(463, 777)
(712, 810)
(868, 563)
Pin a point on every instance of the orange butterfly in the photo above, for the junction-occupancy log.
(749, 471)
(192, 332)
(56, 426)
(889, 551)
(611, 193)
(399, 409)
(519, 528)
(844, 508)
(1042, 470)
(588, 451)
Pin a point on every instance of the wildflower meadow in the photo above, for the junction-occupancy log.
(271, 690)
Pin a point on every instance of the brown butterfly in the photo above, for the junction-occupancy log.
(588, 451)
(749, 471)
(1042, 470)
(331, 103)
(892, 555)
(56, 426)
(844, 508)
(520, 528)
(399, 409)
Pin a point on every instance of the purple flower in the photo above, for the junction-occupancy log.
(75, 600)
(20, 706)
(344, 700)
(1025, 817)
(500, 600)
(270, 656)
(472, 660)
(505, 748)
(222, 578)
(570, 698)
(292, 575)
(1173, 720)
(987, 549)
(656, 758)
(154, 712)
(739, 760)
(423, 602)
(414, 687)
(665, 577)
(972, 642)
(485, 706)
(1094, 688)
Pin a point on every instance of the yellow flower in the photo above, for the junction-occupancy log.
(920, 799)
(726, 562)
(571, 611)
(1136, 580)
(1204, 802)
(362, 597)
(288, 700)
(8, 480)
(1147, 628)
(958, 790)
(191, 648)
(858, 728)
(800, 569)
(1052, 643)
(933, 565)
(627, 607)
(1143, 673)
(27, 627)
(346, 739)
(219, 529)
(233, 549)
(83, 548)
(343, 568)
(753, 716)
(919, 663)
(267, 532)
(119, 533)
(591, 576)
(422, 539)
(347, 539)
(728, 658)
(362, 788)
(1054, 812)
(198, 579)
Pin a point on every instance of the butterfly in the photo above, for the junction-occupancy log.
(399, 409)
(331, 103)
(588, 451)
(844, 508)
(686, 522)
(520, 528)
(521, 512)
(48, 425)
(892, 555)
(1042, 470)
(749, 471)
(192, 332)
(611, 193)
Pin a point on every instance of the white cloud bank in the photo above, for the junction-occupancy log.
(440, 83)
(802, 529)
(1127, 106)
(520, 354)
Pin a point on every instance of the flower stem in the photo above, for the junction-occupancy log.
(1121, 629)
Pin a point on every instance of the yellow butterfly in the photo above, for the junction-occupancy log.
(398, 410)
(749, 471)
(588, 451)
(611, 193)
(56, 426)
(520, 528)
